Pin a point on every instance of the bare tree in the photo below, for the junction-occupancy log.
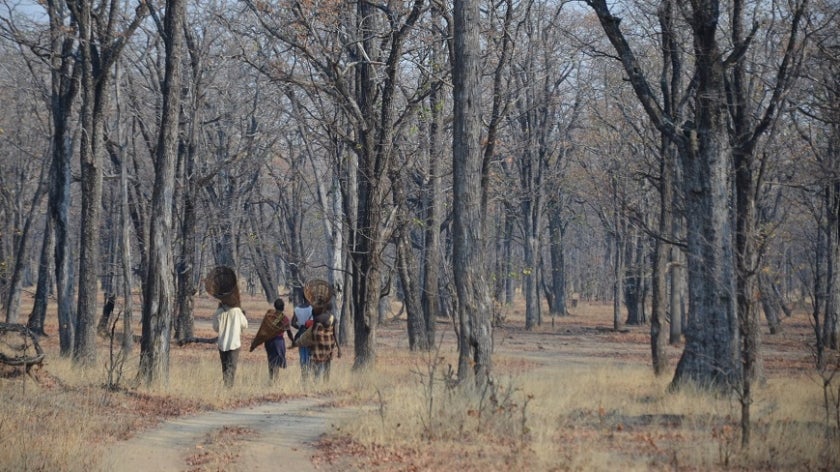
(100, 46)
(59, 55)
(711, 344)
(158, 289)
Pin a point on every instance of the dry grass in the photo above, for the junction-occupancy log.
(575, 396)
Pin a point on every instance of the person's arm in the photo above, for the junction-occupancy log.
(335, 341)
(216, 321)
(243, 320)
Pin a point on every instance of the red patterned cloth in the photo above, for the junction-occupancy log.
(322, 350)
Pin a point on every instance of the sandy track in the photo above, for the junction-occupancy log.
(280, 436)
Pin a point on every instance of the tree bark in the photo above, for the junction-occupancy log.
(21, 241)
(711, 350)
(64, 81)
(38, 315)
(158, 290)
(474, 308)
(84, 349)
(430, 298)
(711, 346)
(556, 231)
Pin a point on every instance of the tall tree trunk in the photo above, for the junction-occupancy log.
(634, 280)
(474, 307)
(158, 291)
(556, 231)
(185, 268)
(366, 238)
(188, 259)
(64, 88)
(430, 298)
(407, 266)
(100, 47)
(659, 299)
(676, 259)
(831, 317)
(125, 262)
(38, 315)
(376, 136)
(21, 241)
(711, 346)
(618, 279)
(84, 349)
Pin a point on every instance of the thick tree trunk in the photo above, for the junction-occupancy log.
(159, 290)
(474, 307)
(94, 98)
(711, 350)
(366, 238)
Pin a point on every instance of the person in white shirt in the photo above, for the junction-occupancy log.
(229, 323)
(301, 321)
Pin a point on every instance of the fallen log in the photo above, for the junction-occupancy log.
(25, 351)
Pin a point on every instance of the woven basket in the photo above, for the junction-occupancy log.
(318, 293)
(273, 323)
(221, 283)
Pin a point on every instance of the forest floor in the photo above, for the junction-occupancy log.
(195, 425)
(263, 436)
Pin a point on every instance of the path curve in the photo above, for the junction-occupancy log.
(283, 434)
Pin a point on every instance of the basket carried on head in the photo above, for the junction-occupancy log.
(221, 283)
(319, 294)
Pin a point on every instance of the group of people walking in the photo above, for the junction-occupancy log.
(316, 349)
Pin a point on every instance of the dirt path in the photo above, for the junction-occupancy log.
(272, 436)
(261, 438)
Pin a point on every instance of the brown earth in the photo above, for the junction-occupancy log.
(265, 436)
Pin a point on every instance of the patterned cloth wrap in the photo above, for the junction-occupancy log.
(274, 324)
(324, 336)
